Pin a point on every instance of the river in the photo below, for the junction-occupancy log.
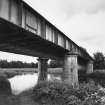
(20, 83)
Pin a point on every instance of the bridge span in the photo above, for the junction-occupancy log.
(25, 31)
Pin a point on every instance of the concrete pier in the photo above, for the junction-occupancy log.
(70, 72)
(89, 67)
(42, 69)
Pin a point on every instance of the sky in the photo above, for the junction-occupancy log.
(83, 21)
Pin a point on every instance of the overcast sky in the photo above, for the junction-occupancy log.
(81, 20)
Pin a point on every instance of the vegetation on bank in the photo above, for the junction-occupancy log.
(6, 96)
(58, 93)
(98, 76)
(99, 61)
(53, 93)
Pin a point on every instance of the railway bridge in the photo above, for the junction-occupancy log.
(25, 31)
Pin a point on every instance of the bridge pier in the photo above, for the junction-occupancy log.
(89, 67)
(42, 69)
(70, 71)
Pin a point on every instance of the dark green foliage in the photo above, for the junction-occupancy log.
(82, 76)
(58, 93)
(98, 77)
(54, 93)
(17, 64)
(99, 60)
(5, 87)
(97, 74)
(88, 88)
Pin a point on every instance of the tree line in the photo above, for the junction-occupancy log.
(17, 64)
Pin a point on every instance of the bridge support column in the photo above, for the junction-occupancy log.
(90, 67)
(70, 72)
(42, 69)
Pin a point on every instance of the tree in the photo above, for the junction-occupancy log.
(99, 60)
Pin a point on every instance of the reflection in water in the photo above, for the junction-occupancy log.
(21, 83)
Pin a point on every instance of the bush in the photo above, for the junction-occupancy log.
(89, 88)
(98, 77)
(5, 87)
(97, 74)
(54, 93)
(58, 93)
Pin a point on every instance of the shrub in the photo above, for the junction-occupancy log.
(55, 93)
(98, 77)
(52, 93)
(89, 88)
(58, 93)
(5, 87)
(97, 74)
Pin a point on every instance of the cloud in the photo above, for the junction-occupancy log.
(72, 7)
(87, 30)
(83, 21)
(94, 45)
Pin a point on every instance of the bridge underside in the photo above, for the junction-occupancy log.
(17, 40)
